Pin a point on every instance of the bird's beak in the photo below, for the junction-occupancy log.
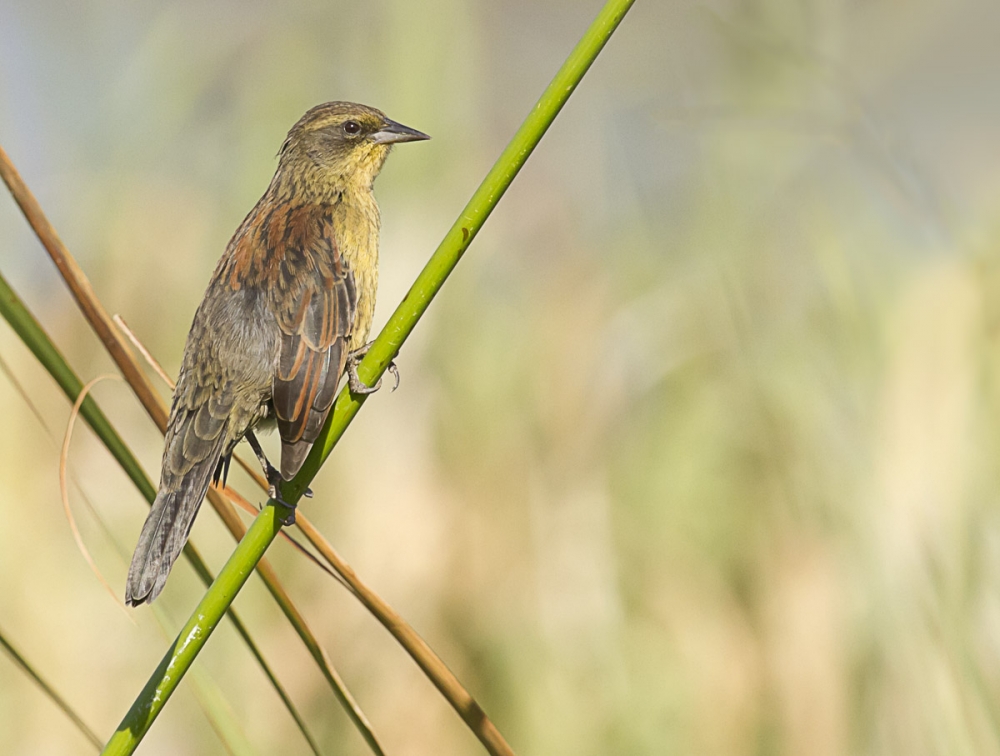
(393, 132)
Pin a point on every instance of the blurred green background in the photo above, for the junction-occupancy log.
(696, 453)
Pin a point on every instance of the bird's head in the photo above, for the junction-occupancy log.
(343, 144)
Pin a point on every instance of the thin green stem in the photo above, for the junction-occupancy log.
(265, 528)
(49, 691)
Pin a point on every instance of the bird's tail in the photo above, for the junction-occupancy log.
(166, 530)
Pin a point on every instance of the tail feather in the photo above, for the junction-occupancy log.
(292, 457)
(166, 530)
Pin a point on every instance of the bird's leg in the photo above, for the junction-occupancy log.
(273, 478)
(270, 471)
(355, 383)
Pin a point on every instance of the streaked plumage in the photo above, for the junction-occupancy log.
(291, 297)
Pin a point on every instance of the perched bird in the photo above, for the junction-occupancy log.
(288, 307)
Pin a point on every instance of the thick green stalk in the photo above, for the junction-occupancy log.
(266, 527)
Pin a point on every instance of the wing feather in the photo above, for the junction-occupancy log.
(316, 308)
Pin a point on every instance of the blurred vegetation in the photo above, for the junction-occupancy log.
(694, 454)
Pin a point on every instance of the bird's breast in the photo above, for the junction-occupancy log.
(357, 231)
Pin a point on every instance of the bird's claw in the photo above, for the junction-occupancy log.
(289, 519)
(274, 491)
(358, 386)
(355, 383)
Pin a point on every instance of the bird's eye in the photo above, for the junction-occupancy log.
(352, 127)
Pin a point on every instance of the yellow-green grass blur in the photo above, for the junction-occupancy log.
(698, 451)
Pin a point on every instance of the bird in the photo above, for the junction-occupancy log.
(287, 312)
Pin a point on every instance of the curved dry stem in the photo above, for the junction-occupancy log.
(50, 436)
(64, 490)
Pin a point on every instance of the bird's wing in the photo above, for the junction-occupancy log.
(195, 440)
(315, 302)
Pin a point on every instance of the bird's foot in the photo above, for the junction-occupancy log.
(355, 383)
(274, 481)
(289, 519)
